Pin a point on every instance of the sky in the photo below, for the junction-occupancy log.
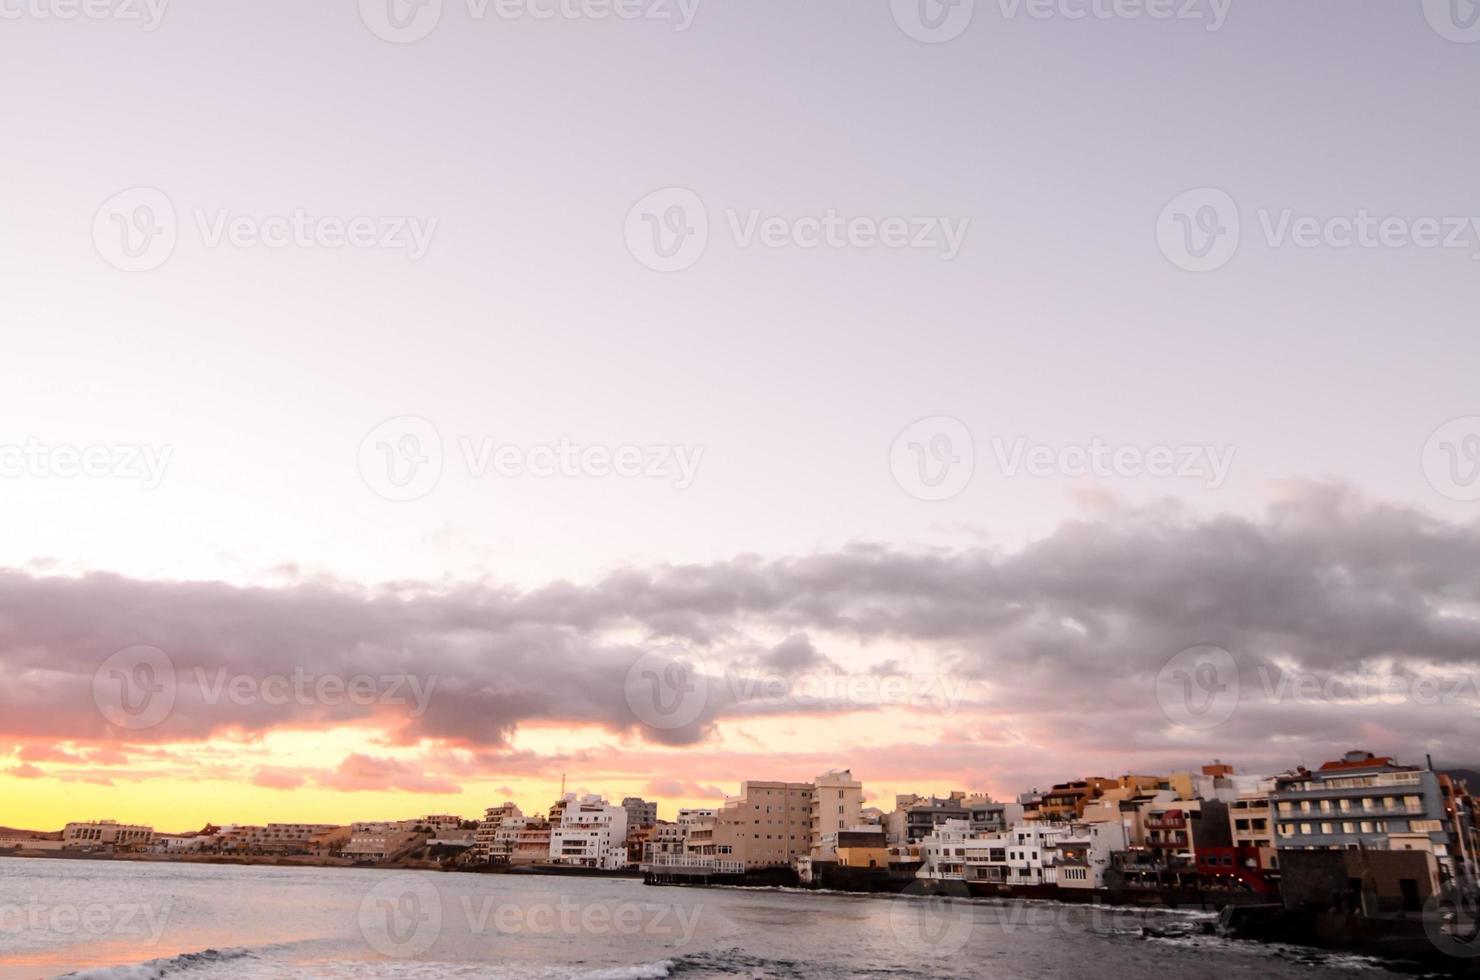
(979, 396)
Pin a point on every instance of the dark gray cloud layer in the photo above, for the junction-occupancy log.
(1081, 621)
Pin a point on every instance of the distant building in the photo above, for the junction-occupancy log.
(837, 804)
(487, 833)
(591, 833)
(96, 834)
(917, 817)
(383, 845)
(766, 826)
(640, 813)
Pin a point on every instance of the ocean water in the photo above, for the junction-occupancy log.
(116, 920)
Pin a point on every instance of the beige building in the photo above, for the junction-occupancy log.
(382, 845)
(837, 805)
(767, 826)
(106, 833)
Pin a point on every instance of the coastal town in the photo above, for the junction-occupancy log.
(1361, 833)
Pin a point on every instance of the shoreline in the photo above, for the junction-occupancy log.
(1416, 958)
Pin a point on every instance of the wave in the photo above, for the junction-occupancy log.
(161, 968)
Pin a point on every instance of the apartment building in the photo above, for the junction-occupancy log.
(93, 834)
(383, 845)
(988, 816)
(1252, 822)
(767, 826)
(484, 837)
(917, 817)
(1033, 853)
(531, 843)
(1365, 801)
(591, 833)
(837, 804)
(640, 813)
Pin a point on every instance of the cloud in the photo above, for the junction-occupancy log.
(683, 788)
(25, 771)
(273, 778)
(367, 773)
(1061, 639)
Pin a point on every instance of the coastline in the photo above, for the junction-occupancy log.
(1402, 945)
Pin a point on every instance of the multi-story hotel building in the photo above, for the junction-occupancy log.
(106, 833)
(767, 826)
(493, 818)
(837, 804)
(1365, 801)
(591, 833)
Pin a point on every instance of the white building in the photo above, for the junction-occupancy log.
(1031, 853)
(591, 833)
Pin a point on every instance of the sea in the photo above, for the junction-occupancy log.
(126, 920)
